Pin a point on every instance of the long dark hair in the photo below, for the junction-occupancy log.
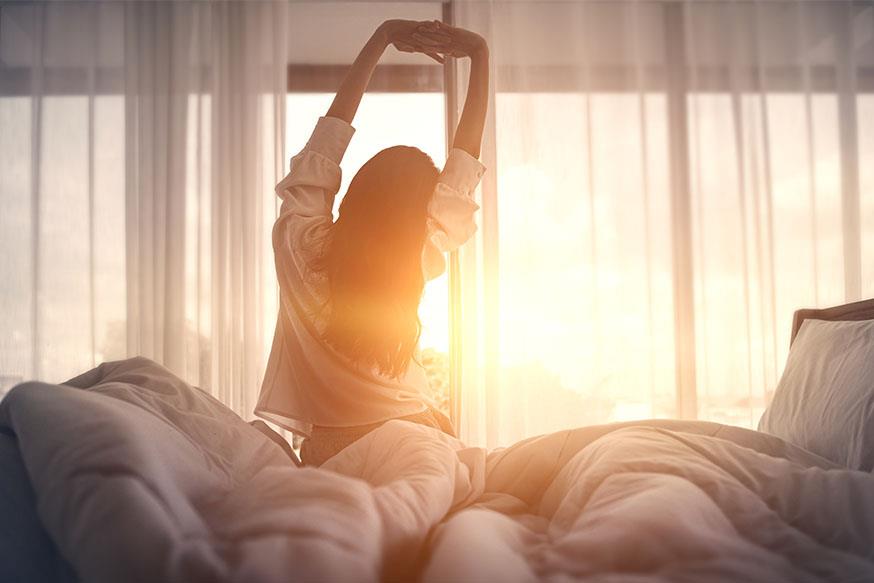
(373, 260)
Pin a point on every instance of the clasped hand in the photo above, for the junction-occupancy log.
(432, 38)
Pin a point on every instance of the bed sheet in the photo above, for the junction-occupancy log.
(144, 478)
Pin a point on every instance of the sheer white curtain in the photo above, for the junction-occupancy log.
(667, 182)
(139, 146)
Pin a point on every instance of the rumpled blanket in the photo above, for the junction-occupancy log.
(140, 477)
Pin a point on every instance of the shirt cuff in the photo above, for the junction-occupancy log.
(462, 172)
(330, 138)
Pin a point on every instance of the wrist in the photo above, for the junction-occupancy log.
(480, 52)
(480, 58)
(381, 35)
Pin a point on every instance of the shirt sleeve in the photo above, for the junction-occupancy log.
(307, 194)
(308, 190)
(451, 210)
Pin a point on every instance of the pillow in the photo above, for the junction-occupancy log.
(824, 401)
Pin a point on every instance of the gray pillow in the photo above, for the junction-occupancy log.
(824, 401)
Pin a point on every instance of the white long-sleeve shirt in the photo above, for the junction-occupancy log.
(307, 381)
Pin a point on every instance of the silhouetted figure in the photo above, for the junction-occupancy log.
(342, 361)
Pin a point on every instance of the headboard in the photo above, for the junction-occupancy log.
(863, 310)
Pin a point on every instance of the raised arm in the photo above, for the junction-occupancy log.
(396, 32)
(469, 134)
(458, 42)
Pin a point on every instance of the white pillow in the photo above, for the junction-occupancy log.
(825, 399)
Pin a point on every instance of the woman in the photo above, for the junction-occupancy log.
(343, 357)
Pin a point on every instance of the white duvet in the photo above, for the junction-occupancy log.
(142, 478)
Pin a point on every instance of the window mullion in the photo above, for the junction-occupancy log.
(681, 215)
(450, 96)
(849, 148)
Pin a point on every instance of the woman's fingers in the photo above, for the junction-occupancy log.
(453, 43)
(436, 57)
(430, 39)
(409, 48)
(434, 33)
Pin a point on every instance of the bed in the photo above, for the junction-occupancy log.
(128, 474)
(863, 310)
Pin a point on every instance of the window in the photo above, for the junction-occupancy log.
(674, 180)
(584, 236)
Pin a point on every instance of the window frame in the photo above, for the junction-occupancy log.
(844, 79)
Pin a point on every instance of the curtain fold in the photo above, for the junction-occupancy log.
(671, 180)
(140, 146)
